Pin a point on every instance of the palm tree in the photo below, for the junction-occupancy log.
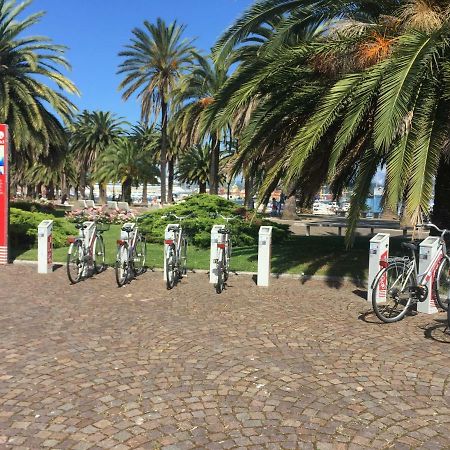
(370, 91)
(153, 62)
(29, 106)
(92, 133)
(196, 91)
(125, 161)
(193, 167)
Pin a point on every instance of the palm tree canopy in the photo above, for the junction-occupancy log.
(27, 64)
(157, 56)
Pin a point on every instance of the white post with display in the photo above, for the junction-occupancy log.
(45, 246)
(216, 238)
(169, 238)
(264, 255)
(429, 255)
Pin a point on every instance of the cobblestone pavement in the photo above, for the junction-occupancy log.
(293, 366)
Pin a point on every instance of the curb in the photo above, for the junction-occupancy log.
(293, 276)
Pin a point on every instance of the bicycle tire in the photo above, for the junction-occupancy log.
(122, 264)
(171, 270)
(220, 285)
(139, 255)
(99, 255)
(227, 259)
(75, 262)
(403, 303)
(442, 285)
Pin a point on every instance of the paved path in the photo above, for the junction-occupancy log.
(292, 366)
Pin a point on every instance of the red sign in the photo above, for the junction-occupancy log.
(49, 250)
(383, 280)
(4, 194)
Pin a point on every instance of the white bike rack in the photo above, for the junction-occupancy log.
(124, 235)
(264, 255)
(45, 246)
(379, 251)
(216, 238)
(88, 232)
(168, 235)
(428, 251)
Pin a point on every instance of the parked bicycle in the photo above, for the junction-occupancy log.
(224, 248)
(176, 252)
(399, 282)
(131, 254)
(86, 255)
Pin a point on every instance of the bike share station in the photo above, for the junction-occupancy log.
(428, 252)
(88, 233)
(216, 238)
(45, 246)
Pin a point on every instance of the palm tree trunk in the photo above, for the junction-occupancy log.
(290, 209)
(248, 187)
(214, 166)
(91, 192)
(102, 193)
(441, 209)
(163, 150)
(144, 193)
(126, 190)
(171, 169)
(202, 188)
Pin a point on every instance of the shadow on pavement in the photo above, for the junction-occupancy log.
(437, 331)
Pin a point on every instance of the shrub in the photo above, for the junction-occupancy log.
(102, 214)
(198, 227)
(24, 224)
(41, 207)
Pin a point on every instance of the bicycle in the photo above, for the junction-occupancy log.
(131, 254)
(224, 249)
(86, 258)
(399, 282)
(175, 252)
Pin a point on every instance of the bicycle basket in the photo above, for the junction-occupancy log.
(102, 226)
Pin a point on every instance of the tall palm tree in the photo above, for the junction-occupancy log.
(30, 107)
(373, 90)
(153, 62)
(125, 161)
(92, 133)
(196, 91)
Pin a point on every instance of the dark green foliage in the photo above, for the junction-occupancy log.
(23, 228)
(46, 208)
(198, 227)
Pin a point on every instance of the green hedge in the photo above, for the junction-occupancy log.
(198, 227)
(46, 208)
(23, 228)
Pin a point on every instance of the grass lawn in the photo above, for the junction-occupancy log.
(314, 255)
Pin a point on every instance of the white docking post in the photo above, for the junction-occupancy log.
(45, 246)
(88, 232)
(216, 237)
(169, 235)
(428, 254)
(264, 255)
(379, 251)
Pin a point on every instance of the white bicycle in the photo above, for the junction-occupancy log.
(176, 252)
(399, 282)
(224, 248)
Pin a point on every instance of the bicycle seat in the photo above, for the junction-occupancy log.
(224, 231)
(80, 226)
(174, 228)
(410, 246)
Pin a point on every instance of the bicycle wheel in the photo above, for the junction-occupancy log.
(227, 259)
(139, 255)
(443, 284)
(75, 262)
(99, 254)
(171, 268)
(183, 256)
(394, 284)
(220, 285)
(122, 264)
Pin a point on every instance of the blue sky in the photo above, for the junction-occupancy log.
(96, 30)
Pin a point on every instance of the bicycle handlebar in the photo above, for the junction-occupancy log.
(166, 216)
(432, 225)
(227, 219)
